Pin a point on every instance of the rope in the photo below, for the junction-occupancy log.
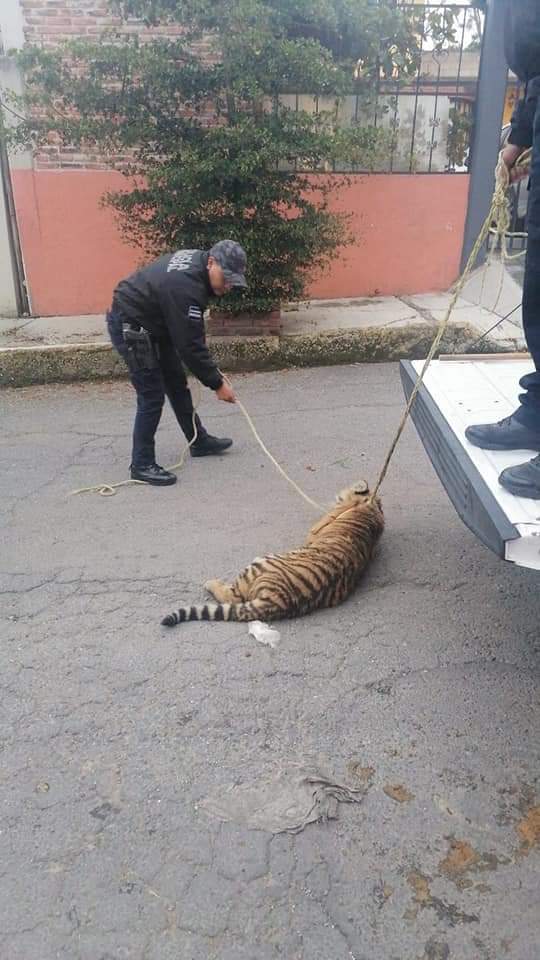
(499, 214)
(278, 466)
(109, 489)
(470, 346)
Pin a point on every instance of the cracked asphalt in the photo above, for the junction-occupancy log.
(113, 729)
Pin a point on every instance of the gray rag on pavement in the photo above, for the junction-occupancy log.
(285, 801)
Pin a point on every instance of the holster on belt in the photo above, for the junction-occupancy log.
(142, 351)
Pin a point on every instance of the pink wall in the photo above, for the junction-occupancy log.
(72, 250)
(409, 231)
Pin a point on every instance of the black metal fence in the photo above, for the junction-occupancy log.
(425, 114)
(431, 116)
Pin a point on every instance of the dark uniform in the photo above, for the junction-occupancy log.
(156, 323)
(522, 44)
(521, 431)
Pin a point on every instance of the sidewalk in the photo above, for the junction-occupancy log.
(51, 349)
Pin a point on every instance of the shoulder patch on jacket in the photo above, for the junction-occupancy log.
(195, 313)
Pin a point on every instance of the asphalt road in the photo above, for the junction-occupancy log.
(114, 729)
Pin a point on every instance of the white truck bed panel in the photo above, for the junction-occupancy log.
(454, 395)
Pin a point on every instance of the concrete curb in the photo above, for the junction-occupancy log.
(64, 363)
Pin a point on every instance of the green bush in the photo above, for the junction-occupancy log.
(214, 143)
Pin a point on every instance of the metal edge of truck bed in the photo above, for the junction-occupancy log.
(465, 486)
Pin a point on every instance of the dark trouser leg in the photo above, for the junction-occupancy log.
(149, 387)
(177, 390)
(529, 412)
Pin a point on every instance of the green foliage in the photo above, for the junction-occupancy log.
(205, 129)
(459, 133)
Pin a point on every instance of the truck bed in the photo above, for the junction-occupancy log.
(454, 394)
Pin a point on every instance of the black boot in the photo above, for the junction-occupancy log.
(507, 434)
(208, 446)
(523, 480)
(153, 474)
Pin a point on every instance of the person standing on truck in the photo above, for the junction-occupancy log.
(521, 431)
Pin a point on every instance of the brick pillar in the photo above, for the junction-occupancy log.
(222, 324)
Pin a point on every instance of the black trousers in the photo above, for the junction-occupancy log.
(168, 379)
(529, 410)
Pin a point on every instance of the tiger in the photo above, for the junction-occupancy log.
(318, 575)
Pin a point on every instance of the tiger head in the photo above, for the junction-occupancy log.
(359, 490)
(357, 495)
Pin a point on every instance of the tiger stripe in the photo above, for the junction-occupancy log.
(322, 573)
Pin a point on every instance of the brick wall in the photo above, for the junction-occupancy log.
(262, 325)
(48, 23)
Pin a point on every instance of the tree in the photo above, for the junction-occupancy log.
(213, 145)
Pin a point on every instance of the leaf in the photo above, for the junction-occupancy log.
(398, 792)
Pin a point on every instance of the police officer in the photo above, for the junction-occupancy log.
(521, 431)
(156, 323)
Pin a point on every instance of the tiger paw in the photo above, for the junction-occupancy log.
(216, 589)
(220, 591)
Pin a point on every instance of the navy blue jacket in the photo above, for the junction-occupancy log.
(168, 299)
(522, 46)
